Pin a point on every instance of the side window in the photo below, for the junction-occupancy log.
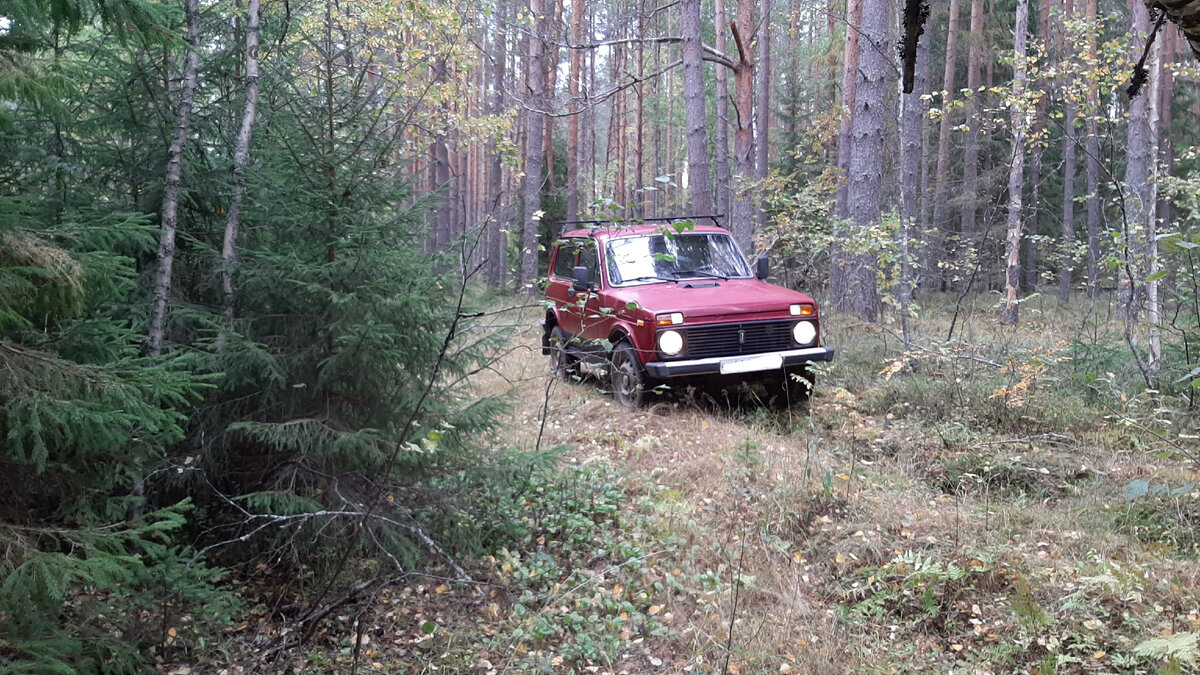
(564, 260)
(589, 259)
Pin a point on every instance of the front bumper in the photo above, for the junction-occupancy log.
(791, 357)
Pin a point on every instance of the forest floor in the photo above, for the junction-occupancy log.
(1006, 507)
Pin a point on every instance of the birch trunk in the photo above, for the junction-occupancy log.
(1016, 175)
(241, 154)
(171, 183)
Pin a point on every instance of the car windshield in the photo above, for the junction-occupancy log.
(657, 257)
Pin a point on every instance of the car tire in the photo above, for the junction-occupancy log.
(627, 377)
(796, 386)
(563, 365)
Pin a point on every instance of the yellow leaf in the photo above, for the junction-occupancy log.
(440, 589)
(172, 632)
(654, 609)
(840, 559)
(1099, 655)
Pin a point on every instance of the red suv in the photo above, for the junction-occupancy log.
(655, 303)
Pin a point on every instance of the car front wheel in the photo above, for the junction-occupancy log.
(627, 377)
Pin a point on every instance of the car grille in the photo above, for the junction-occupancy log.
(734, 339)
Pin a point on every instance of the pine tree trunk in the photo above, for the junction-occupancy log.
(1092, 149)
(171, 183)
(839, 265)
(534, 153)
(854, 15)
(741, 206)
(1068, 203)
(1033, 209)
(573, 158)
(639, 124)
(241, 154)
(914, 108)
(762, 110)
(971, 145)
(864, 170)
(722, 133)
(699, 183)
(1016, 177)
(936, 247)
(1139, 192)
(444, 215)
(551, 31)
(497, 231)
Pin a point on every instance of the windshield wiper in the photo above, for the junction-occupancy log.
(701, 273)
(651, 277)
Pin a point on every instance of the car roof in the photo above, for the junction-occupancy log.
(617, 230)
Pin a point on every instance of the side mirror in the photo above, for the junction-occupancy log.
(762, 268)
(582, 279)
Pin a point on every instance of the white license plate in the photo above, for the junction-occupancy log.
(750, 364)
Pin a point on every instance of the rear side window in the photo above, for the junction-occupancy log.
(564, 259)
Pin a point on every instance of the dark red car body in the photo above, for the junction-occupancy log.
(728, 323)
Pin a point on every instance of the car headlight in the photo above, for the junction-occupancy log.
(804, 332)
(670, 342)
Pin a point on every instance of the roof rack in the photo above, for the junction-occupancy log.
(594, 224)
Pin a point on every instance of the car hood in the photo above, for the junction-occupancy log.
(713, 297)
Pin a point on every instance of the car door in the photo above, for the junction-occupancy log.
(594, 324)
(559, 290)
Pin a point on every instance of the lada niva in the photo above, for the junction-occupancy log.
(658, 301)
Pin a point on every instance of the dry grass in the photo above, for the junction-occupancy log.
(989, 458)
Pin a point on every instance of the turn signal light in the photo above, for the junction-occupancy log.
(672, 319)
(804, 309)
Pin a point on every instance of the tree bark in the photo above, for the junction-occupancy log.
(1033, 209)
(936, 247)
(639, 123)
(699, 183)
(534, 153)
(762, 111)
(573, 158)
(971, 145)
(741, 206)
(241, 154)
(551, 31)
(1139, 191)
(854, 14)
(1092, 149)
(914, 109)
(497, 232)
(722, 133)
(1016, 177)
(171, 184)
(864, 171)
